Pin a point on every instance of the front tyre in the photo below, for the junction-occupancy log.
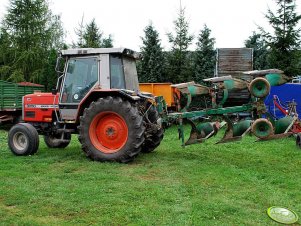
(111, 129)
(23, 139)
(56, 141)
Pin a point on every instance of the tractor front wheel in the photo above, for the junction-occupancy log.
(23, 139)
(111, 129)
(56, 141)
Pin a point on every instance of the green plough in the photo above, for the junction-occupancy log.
(206, 122)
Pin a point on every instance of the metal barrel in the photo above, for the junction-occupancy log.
(192, 88)
(235, 84)
(205, 128)
(282, 124)
(262, 128)
(277, 79)
(197, 89)
(240, 127)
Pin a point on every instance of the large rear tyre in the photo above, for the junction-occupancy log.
(111, 129)
(23, 139)
(55, 141)
(153, 136)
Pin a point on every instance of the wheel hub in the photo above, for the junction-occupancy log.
(108, 132)
(20, 141)
(111, 132)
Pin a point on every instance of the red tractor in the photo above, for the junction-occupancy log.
(97, 97)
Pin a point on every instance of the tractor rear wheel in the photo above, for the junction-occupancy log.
(23, 139)
(111, 129)
(153, 136)
(55, 141)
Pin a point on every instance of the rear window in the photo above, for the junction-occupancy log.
(117, 72)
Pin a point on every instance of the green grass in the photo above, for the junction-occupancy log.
(204, 184)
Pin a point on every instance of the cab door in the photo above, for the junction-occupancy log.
(81, 75)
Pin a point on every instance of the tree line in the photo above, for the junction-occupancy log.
(31, 35)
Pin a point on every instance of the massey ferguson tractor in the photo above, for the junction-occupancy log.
(97, 97)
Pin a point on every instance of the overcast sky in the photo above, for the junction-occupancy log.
(231, 21)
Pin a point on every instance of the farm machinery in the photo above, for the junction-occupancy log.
(205, 123)
(97, 97)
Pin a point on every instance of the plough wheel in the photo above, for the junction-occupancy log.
(259, 87)
(262, 128)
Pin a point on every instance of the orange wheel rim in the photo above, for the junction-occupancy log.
(108, 132)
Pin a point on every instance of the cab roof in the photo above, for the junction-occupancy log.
(94, 51)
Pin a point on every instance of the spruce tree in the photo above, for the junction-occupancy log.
(90, 36)
(284, 42)
(260, 52)
(151, 67)
(180, 59)
(33, 32)
(204, 60)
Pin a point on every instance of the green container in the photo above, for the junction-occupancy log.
(282, 124)
(205, 128)
(235, 84)
(11, 94)
(241, 127)
(276, 79)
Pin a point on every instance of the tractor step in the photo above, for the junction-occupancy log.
(65, 130)
(64, 141)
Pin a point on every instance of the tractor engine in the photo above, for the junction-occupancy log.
(39, 107)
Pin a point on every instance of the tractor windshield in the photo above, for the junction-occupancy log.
(81, 75)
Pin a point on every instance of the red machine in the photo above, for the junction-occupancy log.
(97, 98)
(40, 107)
(291, 110)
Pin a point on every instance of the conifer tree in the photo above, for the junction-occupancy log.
(151, 67)
(284, 42)
(204, 60)
(33, 32)
(260, 52)
(90, 36)
(180, 59)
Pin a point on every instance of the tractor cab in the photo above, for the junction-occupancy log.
(89, 70)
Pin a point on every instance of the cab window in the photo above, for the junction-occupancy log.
(82, 74)
(117, 72)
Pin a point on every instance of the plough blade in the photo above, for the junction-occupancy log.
(202, 132)
(276, 136)
(235, 132)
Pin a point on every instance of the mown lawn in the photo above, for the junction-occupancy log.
(205, 184)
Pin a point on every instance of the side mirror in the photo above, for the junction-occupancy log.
(58, 64)
(54, 91)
